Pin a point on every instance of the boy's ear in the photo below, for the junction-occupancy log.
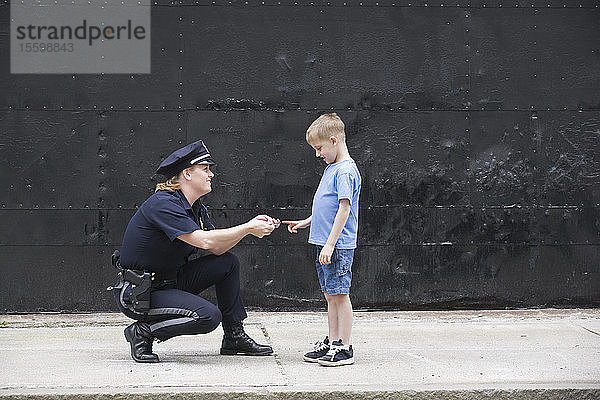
(333, 139)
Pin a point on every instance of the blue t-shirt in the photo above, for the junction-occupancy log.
(340, 180)
(150, 241)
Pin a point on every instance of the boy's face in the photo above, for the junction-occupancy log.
(326, 149)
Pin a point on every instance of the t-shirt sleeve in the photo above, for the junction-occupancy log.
(345, 186)
(171, 218)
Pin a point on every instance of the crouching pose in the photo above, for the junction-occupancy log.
(160, 283)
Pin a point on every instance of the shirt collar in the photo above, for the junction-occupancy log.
(183, 199)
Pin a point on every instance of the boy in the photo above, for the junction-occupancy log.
(333, 227)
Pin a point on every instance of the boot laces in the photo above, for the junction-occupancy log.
(240, 333)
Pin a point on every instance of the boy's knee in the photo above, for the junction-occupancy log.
(337, 298)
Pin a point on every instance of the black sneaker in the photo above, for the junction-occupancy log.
(337, 355)
(321, 348)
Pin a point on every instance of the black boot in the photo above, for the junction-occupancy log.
(139, 336)
(235, 341)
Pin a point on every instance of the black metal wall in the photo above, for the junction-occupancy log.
(476, 125)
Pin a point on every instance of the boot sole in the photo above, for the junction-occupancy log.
(129, 339)
(232, 352)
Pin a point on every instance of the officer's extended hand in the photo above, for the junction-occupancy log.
(272, 220)
(262, 225)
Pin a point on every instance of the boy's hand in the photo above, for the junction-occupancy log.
(325, 255)
(293, 226)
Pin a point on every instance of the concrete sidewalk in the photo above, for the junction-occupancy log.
(534, 354)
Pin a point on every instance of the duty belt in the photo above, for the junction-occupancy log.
(134, 286)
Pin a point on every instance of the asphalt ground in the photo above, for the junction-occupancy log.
(518, 354)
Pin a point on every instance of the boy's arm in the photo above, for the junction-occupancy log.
(338, 224)
(293, 226)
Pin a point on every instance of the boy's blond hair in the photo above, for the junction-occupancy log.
(324, 127)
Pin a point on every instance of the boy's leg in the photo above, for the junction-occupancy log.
(332, 317)
(340, 353)
(340, 316)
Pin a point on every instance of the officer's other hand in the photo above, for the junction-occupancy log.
(261, 225)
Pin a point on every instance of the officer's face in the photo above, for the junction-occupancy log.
(326, 149)
(201, 178)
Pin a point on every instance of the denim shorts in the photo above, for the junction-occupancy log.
(335, 278)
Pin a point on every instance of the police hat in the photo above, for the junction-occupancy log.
(193, 153)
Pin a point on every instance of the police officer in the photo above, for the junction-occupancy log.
(166, 230)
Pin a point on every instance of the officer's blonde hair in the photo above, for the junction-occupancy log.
(324, 127)
(172, 184)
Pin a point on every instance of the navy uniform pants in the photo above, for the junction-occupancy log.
(179, 310)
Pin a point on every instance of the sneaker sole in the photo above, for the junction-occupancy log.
(336, 363)
(310, 360)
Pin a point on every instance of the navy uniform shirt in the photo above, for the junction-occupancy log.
(150, 242)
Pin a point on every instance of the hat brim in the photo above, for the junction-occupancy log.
(205, 162)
